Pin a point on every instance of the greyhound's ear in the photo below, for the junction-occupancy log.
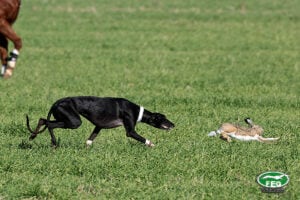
(160, 115)
(156, 116)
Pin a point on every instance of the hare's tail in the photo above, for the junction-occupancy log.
(214, 133)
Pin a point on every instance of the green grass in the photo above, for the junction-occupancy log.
(199, 62)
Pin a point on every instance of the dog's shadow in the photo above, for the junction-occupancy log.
(26, 144)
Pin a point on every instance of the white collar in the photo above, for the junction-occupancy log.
(140, 114)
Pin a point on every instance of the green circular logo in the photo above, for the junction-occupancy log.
(273, 179)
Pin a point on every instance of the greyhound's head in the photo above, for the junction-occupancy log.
(160, 121)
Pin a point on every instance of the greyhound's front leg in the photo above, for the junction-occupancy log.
(130, 132)
(139, 138)
(93, 136)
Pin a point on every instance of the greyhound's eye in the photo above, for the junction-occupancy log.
(154, 119)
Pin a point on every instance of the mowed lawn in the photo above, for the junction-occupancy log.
(201, 63)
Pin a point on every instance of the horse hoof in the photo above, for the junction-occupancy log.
(8, 73)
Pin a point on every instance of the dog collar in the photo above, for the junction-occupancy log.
(140, 114)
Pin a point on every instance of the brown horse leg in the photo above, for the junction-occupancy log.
(7, 31)
(3, 52)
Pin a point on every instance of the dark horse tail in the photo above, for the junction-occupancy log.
(42, 122)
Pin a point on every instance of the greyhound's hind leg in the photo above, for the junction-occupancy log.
(34, 133)
(52, 125)
(66, 118)
(53, 139)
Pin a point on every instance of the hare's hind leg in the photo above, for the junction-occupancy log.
(226, 137)
(267, 140)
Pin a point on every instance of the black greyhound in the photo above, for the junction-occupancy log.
(104, 113)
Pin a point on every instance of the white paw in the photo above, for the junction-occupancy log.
(149, 143)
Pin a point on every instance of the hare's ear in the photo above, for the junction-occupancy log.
(249, 121)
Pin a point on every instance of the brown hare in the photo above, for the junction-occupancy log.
(228, 131)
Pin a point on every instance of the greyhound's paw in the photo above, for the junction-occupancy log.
(89, 143)
(32, 136)
(149, 143)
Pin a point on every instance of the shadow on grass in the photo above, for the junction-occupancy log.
(26, 144)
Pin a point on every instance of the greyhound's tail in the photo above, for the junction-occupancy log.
(28, 125)
(42, 122)
(267, 140)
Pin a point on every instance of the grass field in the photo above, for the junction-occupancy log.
(199, 62)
